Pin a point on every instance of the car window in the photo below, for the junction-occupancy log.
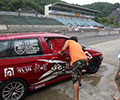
(4, 47)
(55, 44)
(25, 47)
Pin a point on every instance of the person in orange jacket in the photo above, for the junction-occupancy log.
(78, 60)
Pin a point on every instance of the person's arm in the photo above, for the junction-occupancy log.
(63, 48)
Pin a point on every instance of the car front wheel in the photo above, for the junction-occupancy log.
(93, 65)
(14, 89)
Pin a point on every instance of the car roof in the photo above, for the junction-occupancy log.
(29, 35)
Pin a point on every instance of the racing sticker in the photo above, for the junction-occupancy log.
(39, 68)
(19, 47)
(39, 86)
(9, 72)
(31, 46)
(89, 56)
(24, 69)
(26, 47)
(56, 66)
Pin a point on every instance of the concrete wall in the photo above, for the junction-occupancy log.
(35, 28)
(82, 33)
(3, 27)
(91, 33)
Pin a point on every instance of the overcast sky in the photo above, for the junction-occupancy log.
(82, 2)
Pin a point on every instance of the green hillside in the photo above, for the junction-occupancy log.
(105, 8)
(38, 5)
(12, 5)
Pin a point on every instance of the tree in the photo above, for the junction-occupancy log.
(111, 20)
(104, 7)
(12, 5)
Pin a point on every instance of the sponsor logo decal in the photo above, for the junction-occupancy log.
(24, 69)
(9, 72)
(19, 48)
(39, 68)
(26, 47)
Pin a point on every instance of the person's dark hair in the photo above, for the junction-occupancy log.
(74, 38)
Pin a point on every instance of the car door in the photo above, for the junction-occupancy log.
(55, 44)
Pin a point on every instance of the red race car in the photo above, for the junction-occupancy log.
(29, 61)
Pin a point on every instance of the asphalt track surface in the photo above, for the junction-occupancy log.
(99, 86)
